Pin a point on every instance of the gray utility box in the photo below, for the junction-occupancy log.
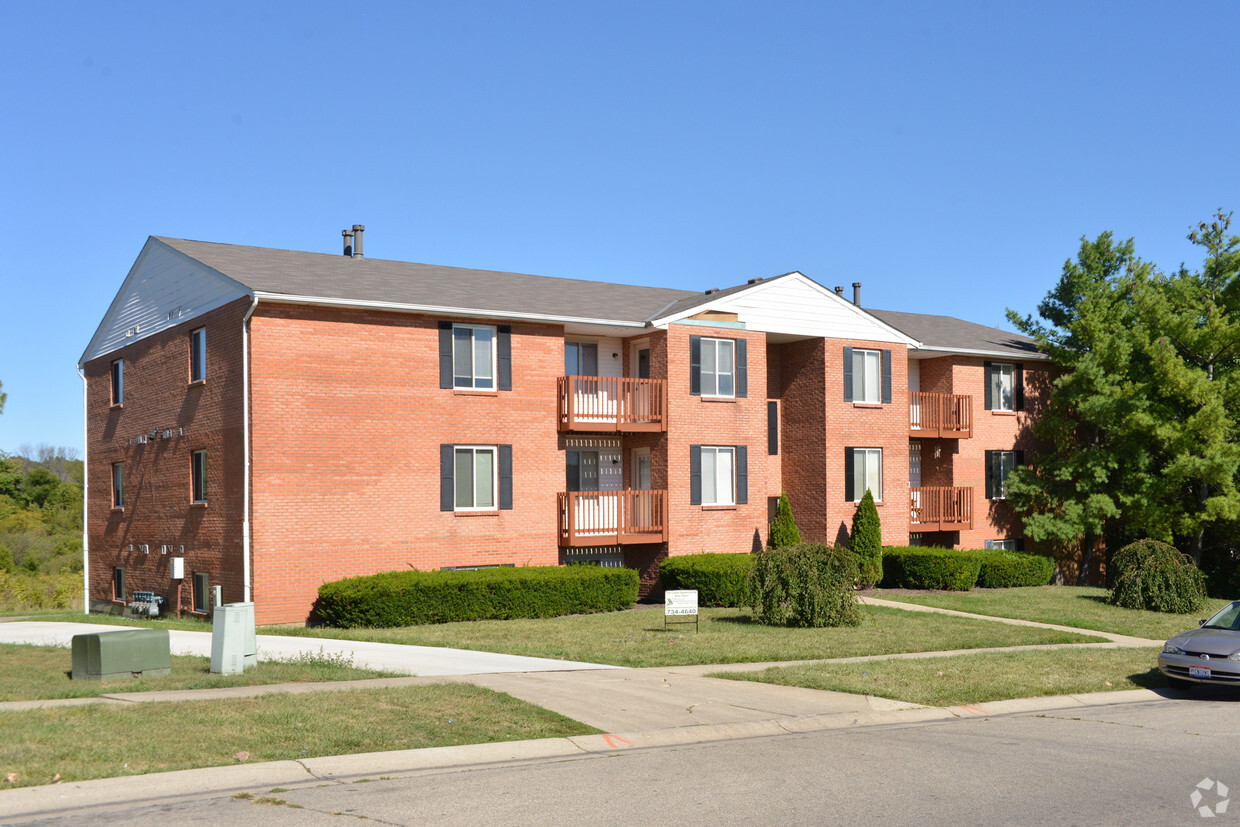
(123, 654)
(234, 647)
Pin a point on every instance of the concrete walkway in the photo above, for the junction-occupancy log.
(635, 708)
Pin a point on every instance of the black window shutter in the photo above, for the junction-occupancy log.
(772, 427)
(1018, 380)
(445, 354)
(848, 475)
(695, 365)
(447, 489)
(990, 475)
(742, 368)
(988, 370)
(505, 477)
(1020, 543)
(886, 377)
(503, 352)
(695, 474)
(848, 378)
(1020, 458)
(742, 474)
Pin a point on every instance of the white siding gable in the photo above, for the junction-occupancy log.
(164, 288)
(795, 305)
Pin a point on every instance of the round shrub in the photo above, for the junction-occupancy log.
(807, 585)
(928, 567)
(407, 598)
(719, 578)
(1155, 576)
(1006, 569)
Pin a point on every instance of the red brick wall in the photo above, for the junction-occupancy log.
(698, 420)
(347, 426)
(802, 399)
(203, 416)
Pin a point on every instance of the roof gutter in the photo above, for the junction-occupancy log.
(245, 441)
(439, 310)
(999, 354)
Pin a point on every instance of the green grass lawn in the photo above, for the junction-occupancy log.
(977, 678)
(1081, 607)
(105, 741)
(42, 672)
(637, 637)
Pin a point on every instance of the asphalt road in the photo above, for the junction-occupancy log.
(1119, 764)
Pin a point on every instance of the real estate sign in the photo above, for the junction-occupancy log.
(682, 603)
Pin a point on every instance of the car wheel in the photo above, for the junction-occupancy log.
(1179, 683)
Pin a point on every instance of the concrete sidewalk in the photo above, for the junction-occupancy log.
(387, 657)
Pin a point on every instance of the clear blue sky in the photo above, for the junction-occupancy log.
(947, 155)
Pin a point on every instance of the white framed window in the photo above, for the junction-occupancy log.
(198, 476)
(118, 382)
(718, 475)
(581, 359)
(867, 473)
(998, 465)
(198, 355)
(867, 376)
(473, 356)
(718, 367)
(1002, 386)
(475, 477)
(118, 485)
(201, 589)
(1001, 545)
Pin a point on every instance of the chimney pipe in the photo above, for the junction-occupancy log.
(857, 293)
(839, 291)
(357, 240)
(348, 242)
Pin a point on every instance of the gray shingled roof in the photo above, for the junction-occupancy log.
(323, 276)
(954, 334)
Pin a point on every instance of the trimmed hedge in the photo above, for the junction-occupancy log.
(1156, 576)
(808, 585)
(719, 578)
(1006, 569)
(407, 598)
(928, 567)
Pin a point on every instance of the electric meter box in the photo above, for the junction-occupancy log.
(178, 568)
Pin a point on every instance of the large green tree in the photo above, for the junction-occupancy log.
(1139, 436)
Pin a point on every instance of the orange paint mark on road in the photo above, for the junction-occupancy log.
(974, 710)
(611, 740)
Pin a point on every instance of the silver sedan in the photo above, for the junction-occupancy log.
(1208, 654)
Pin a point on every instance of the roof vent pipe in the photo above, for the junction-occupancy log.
(839, 290)
(357, 240)
(348, 241)
(856, 288)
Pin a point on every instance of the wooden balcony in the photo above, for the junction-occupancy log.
(606, 518)
(940, 509)
(940, 415)
(610, 403)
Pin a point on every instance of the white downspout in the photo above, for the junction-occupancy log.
(245, 413)
(85, 489)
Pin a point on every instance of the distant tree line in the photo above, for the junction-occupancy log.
(41, 510)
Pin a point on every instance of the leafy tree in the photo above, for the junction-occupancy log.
(3, 396)
(866, 541)
(783, 530)
(1140, 431)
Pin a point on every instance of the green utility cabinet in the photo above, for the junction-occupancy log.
(123, 654)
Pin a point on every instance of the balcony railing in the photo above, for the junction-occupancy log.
(603, 518)
(940, 415)
(612, 403)
(941, 509)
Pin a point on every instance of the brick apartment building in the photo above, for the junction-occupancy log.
(275, 419)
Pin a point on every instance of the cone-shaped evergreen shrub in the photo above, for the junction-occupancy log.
(867, 541)
(783, 531)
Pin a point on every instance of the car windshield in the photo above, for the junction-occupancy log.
(1227, 618)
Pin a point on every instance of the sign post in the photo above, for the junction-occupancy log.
(681, 604)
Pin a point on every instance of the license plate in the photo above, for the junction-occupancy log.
(1198, 672)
